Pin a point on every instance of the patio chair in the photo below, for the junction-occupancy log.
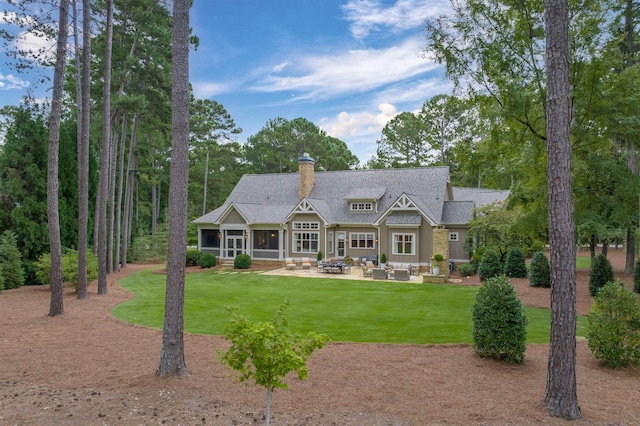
(401, 274)
(306, 263)
(289, 263)
(320, 266)
(379, 274)
(367, 269)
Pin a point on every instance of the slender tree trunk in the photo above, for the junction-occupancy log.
(130, 182)
(561, 397)
(112, 202)
(118, 231)
(172, 361)
(206, 180)
(605, 247)
(53, 215)
(83, 152)
(103, 183)
(267, 413)
(121, 172)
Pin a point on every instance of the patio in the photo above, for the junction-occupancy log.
(356, 274)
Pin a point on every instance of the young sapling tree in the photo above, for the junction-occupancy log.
(267, 351)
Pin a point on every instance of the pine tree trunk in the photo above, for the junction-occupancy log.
(112, 202)
(172, 361)
(206, 180)
(118, 231)
(53, 215)
(561, 394)
(104, 156)
(83, 152)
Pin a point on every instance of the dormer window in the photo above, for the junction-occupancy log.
(361, 207)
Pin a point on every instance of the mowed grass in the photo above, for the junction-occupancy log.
(345, 310)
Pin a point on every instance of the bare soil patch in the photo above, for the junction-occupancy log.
(86, 368)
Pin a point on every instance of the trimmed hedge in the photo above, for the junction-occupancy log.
(540, 274)
(466, 269)
(208, 260)
(489, 265)
(614, 326)
(499, 323)
(192, 258)
(514, 265)
(600, 274)
(242, 261)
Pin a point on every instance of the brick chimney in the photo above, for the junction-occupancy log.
(306, 167)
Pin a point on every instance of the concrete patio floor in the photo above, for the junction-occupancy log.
(356, 274)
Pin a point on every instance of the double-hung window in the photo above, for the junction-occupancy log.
(362, 240)
(403, 243)
(306, 237)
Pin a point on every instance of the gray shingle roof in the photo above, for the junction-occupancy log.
(480, 196)
(270, 198)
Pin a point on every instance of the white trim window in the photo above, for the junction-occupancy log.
(304, 239)
(454, 236)
(330, 242)
(404, 244)
(366, 206)
(362, 240)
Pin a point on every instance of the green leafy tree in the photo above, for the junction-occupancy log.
(10, 260)
(514, 264)
(23, 178)
(266, 352)
(500, 227)
(614, 326)
(277, 147)
(403, 142)
(540, 274)
(499, 323)
(601, 273)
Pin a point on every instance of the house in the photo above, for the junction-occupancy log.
(408, 214)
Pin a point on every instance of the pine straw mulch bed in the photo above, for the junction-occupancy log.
(86, 368)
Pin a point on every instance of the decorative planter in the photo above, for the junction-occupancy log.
(436, 270)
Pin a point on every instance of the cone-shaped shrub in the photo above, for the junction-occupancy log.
(540, 274)
(614, 326)
(489, 265)
(636, 277)
(11, 260)
(514, 265)
(499, 323)
(601, 273)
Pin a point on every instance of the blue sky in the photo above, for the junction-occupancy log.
(349, 66)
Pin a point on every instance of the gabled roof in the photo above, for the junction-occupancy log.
(271, 198)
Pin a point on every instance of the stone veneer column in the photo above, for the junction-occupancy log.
(306, 169)
(441, 245)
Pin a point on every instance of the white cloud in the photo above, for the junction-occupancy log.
(352, 71)
(414, 91)
(10, 82)
(205, 90)
(359, 124)
(280, 66)
(371, 15)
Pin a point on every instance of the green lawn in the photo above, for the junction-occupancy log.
(346, 310)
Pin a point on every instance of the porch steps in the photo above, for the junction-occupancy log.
(226, 264)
